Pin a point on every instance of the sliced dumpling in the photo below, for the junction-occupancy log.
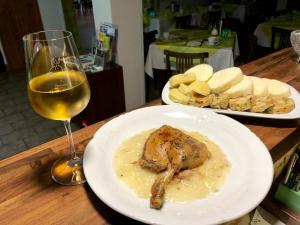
(243, 88)
(225, 79)
(277, 88)
(260, 87)
(203, 72)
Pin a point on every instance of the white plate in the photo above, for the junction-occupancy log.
(294, 114)
(193, 43)
(246, 186)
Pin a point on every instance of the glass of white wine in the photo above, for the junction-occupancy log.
(58, 90)
(295, 41)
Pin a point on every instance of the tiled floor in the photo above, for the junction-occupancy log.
(20, 127)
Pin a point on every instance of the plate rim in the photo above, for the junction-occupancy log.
(294, 114)
(177, 107)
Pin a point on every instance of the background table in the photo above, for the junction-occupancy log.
(263, 31)
(160, 24)
(220, 56)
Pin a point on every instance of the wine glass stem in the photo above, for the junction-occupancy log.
(70, 139)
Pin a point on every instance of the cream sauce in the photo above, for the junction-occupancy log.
(186, 186)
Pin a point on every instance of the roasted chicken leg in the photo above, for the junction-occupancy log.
(169, 149)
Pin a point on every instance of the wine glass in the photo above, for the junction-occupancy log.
(295, 41)
(58, 90)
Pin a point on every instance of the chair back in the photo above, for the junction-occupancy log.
(283, 35)
(183, 22)
(183, 61)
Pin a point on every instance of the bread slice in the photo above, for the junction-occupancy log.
(176, 80)
(277, 88)
(203, 72)
(225, 79)
(260, 87)
(241, 89)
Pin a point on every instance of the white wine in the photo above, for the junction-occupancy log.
(59, 95)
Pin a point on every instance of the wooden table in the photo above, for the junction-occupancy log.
(29, 196)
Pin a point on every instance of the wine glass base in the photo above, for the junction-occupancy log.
(68, 171)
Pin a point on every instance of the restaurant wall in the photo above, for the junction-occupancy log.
(127, 15)
(52, 14)
(102, 11)
(281, 5)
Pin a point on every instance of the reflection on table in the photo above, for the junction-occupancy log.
(221, 55)
(263, 31)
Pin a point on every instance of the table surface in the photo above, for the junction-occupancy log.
(29, 196)
(185, 38)
(220, 57)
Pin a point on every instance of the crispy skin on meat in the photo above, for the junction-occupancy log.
(169, 149)
(155, 155)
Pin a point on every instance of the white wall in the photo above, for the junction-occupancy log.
(128, 16)
(102, 12)
(281, 5)
(52, 14)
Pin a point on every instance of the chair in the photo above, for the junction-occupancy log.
(183, 22)
(183, 61)
(284, 38)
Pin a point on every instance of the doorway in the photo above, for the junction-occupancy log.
(79, 20)
(17, 19)
(86, 25)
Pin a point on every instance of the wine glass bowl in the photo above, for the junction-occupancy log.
(295, 41)
(58, 90)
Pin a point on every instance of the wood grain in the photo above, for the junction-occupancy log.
(29, 196)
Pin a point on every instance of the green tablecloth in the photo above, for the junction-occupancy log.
(290, 21)
(179, 44)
